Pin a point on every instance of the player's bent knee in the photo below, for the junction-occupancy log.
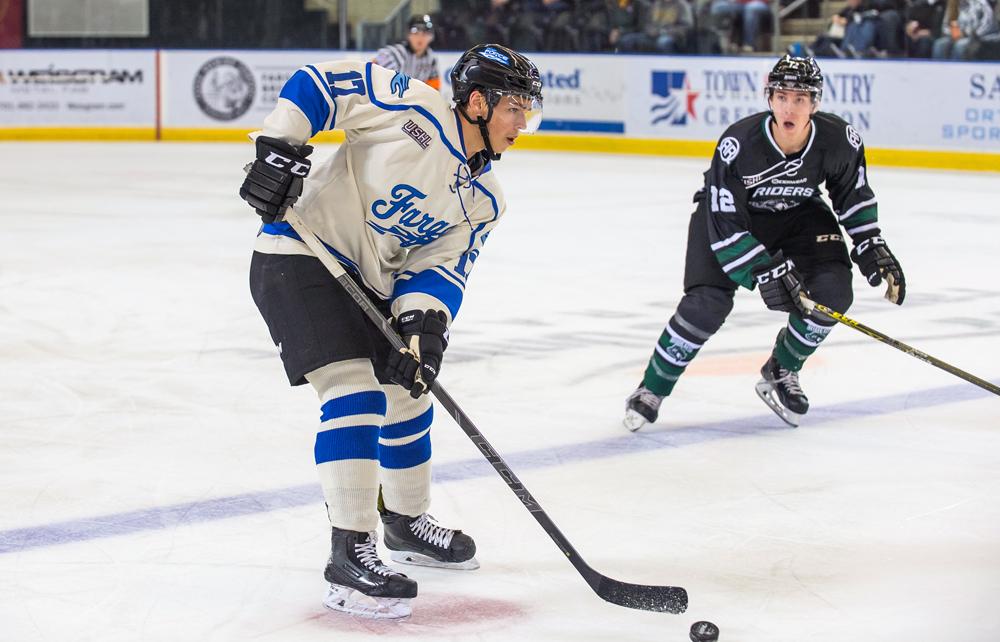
(346, 376)
(832, 288)
(706, 308)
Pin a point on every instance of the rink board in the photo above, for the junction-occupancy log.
(910, 113)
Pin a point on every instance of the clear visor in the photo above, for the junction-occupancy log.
(533, 116)
(531, 107)
(779, 86)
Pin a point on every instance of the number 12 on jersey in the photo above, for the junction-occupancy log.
(722, 200)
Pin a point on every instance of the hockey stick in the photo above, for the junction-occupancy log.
(899, 345)
(670, 599)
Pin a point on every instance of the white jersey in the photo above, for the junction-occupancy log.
(397, 204)
(400, 57)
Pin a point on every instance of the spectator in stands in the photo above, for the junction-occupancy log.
(604, 21)
(860, 23)
(414, 56)
(664, 27)
(492, 24)
(750, 15)
(456, 24)
(923, 26)
(556, 20)
(889, 37)
(975, 20)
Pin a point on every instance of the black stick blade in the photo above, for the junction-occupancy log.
(662, 599)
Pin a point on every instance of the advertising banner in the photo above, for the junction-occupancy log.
(11, 23)
(583, 93)
(84, 88)
(237, 89)
(222, 89)
(905, 105)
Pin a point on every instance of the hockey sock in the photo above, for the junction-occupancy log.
(678, 345)
(797, 341)
(352, 412)
(404, 452)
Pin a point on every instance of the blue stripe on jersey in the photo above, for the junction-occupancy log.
(433, 284)
(493, 199)
(283, 228)
(496, 213)
(302, 91)
(458, 126)
(326, 87)
(354, 442)
(409, 427)
(417, 108)
(370, 402)
(404, 273)
(445, 271)
(406, 456)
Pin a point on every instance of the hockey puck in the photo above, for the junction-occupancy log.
(704, 632)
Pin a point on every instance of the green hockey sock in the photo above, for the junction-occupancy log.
(672, 355)
(797, 341)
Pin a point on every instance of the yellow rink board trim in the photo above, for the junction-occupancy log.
(606, 144)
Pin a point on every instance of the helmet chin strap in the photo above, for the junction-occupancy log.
(483, 130)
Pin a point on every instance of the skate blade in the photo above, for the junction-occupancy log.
(766, 393)
(348, 600)
(633, 420)
(416, 559)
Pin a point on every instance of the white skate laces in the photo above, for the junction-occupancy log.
(368, 556)
(791, 381)
(427, 529)
(647, 398)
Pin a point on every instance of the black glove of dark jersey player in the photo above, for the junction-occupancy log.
(781, 285)
(876, 261)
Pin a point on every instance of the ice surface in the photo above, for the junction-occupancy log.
(156, 477)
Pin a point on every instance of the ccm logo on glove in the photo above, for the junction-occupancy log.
(294, 167)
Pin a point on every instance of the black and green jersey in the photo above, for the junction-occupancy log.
(751, 176)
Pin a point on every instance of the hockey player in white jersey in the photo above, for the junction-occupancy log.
(405, 205)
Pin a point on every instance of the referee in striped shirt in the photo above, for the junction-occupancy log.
(414, 57)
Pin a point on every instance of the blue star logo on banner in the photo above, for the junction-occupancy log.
(675, 88)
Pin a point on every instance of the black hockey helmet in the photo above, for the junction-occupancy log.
(497, 71)
(794, 73)
(420, 23)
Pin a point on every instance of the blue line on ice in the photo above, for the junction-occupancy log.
(166, 517)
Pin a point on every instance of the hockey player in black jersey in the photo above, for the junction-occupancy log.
(760, 222)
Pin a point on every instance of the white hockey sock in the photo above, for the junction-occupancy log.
(353, 410)
(405, 452)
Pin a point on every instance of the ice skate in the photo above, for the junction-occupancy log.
(779, 389)
(360, 583)
(641, 407)
(423, 542)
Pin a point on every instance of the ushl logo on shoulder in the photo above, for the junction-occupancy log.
(419, 136)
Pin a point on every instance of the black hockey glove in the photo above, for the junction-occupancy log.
(781, 286)
(876, 262)
(274, 181)
(426, 334)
